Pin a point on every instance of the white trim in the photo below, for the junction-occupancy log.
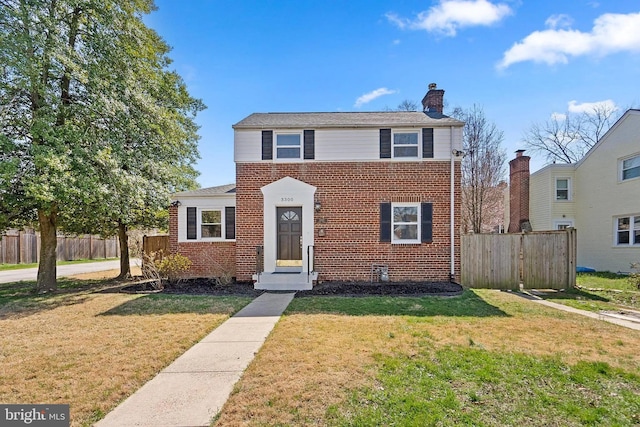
(559, 222)
(418, 133)
(555, 193)
(621, 170)
(300, 146)
(631, 231)
(397, 241)
(283, 193)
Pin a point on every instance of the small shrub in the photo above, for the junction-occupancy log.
(634, 276)
(173, 267)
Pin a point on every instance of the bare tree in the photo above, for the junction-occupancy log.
(483, 170)
(566, 138)
(407, 105)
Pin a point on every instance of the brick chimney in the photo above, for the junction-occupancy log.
(433, 101)
(519, 193)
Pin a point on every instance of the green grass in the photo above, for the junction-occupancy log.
(470, 386)
(467, 304)
(602, 291)
(5, 267)
(604, 280)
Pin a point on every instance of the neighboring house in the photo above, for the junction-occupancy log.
(332, 196)
(599, 196)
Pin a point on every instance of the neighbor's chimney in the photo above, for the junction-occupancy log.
(433, 101)
(519, 193)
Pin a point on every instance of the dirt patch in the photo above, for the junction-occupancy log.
(352, 289)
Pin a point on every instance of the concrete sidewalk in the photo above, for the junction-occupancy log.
(192, 390)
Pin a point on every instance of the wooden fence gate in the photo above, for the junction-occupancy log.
(537, 260)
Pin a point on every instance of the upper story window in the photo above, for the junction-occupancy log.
(631, 168)
(405, 144)
(288, 145)
(628, 230)
(563, 192)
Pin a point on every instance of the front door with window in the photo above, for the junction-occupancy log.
(289, 237)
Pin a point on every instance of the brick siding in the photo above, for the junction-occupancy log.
(209, 259)
(350, 194)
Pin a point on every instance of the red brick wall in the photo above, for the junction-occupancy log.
(350, 194)
(518, 192)
(209, 259)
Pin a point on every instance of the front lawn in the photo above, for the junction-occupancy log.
(600, 291)
(503, 360)
(91, 349)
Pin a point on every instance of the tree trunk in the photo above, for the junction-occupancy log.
(49, 242)
(123, 238)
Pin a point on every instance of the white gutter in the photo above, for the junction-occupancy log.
(452, 272)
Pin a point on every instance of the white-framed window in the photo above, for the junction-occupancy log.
(627, 230)
(405, 144)
(630, 168)
(562, 224)
(288, 145)
(563, 189)
(405, 222)
(210, 224)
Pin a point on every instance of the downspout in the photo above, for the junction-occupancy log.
(452, 272)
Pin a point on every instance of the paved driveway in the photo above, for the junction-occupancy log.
(62, 270)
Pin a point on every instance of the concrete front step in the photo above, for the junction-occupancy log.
(284, 281)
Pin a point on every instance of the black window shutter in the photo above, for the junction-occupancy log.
(385, 222)
(230, 222)
(309, 144)
(267, 145)
(192, 223)
(427, 143)
(385, 143)
(426, 222)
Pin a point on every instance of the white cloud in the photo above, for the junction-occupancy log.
(368, 97)
(450, 15)
(559, 117)
(611, 33)
(559, 21)
(591, 107)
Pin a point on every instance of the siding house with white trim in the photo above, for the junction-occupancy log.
(599, 196)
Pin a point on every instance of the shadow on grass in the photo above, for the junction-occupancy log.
(468, 304)
(158, 304)
(19, 299)
(572, 294)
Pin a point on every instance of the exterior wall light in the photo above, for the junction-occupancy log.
(317, 206)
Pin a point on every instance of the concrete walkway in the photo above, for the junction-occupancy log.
(611, 318)
(192, 390)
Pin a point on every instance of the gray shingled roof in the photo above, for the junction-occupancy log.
(350, 120)
(209, 191)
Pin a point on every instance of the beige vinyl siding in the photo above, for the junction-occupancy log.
(601, 197)
(344, 144)
(540, 200)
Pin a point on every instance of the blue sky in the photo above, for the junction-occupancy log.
(521, 60)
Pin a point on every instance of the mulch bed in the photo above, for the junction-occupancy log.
(332, 288)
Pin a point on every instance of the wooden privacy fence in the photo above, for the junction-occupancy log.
(24, 248)
(157, 245)
(537, 260)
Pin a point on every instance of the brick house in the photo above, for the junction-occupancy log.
(331, 196)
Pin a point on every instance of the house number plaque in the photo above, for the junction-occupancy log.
(286, 199)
